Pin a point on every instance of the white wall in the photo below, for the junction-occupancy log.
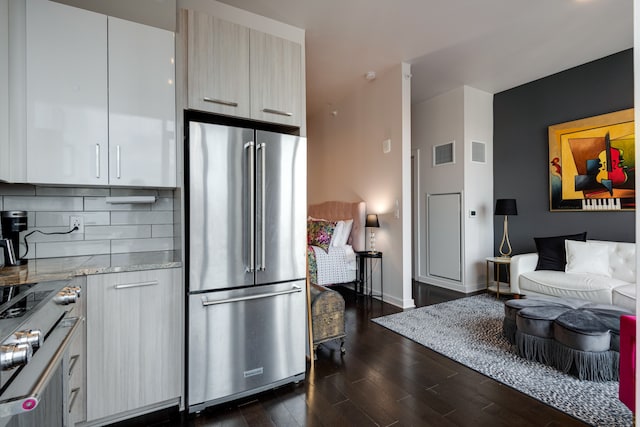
(478, 187)
(346, 162)
(437, 121)
(462, 115)
(405, 203)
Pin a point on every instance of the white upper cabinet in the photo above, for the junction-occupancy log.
(218, 77)
(276, 79)
(142, 136)
(67, 121)
(241, 72)
(100, 99)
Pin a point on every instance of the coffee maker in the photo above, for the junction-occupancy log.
(12, 222)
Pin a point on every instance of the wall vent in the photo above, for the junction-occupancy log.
(444, 154)
(478, 152)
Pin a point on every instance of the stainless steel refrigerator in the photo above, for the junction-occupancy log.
(246, 239)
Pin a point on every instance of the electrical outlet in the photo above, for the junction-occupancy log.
(76, 221)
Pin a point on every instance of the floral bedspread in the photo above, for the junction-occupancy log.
(312, 265)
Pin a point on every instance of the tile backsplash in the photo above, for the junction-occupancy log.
(108, 228)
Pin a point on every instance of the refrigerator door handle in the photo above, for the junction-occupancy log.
(263, 204)
(294, 289)
(252, 208)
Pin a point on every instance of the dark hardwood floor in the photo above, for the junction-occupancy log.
(383, 379)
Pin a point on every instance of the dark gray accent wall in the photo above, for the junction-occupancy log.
(522, 116)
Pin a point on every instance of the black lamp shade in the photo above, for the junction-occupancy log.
(372, 221)
(506, 207)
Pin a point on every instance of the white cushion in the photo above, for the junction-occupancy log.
(341, 232)
(625, 296)
(337, 231)
(622, 260)
(560, 284)
(587, 258)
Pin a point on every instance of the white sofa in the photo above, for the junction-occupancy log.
(619, 289)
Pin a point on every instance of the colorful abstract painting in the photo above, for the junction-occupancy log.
(592, 163)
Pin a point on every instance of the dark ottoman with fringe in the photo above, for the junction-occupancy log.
(512, 307)
(573, 336)
(534, 332)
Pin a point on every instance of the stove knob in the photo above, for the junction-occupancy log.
(65, 297)
(76, 289)
(32, 337)
(12, 355)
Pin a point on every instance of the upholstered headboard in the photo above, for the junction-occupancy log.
(335, 211)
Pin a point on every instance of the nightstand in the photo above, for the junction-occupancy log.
(494, 285)
(364, 275)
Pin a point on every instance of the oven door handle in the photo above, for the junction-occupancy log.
(24, 394)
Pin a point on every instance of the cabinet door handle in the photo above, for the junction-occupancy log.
(279, 112)
(97, 160)
(220, 101)
(73, 395)
(118, 161)
(136, 285)
(72, 363)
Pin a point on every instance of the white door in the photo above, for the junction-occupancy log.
(142, 131)
(444, 235)
(66, 54)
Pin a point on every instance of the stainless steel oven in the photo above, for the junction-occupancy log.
(36, 330)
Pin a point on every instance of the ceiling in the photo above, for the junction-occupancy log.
(491, 45)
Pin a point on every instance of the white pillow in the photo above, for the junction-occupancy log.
(587, 258)
(341, 232)
(337, 232)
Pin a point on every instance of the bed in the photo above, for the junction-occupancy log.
(335, 232)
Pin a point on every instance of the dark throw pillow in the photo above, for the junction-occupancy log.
(551, 252)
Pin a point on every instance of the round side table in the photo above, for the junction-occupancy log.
(494, 285)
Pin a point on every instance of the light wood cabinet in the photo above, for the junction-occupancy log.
(134, 342)
(276, 79)
(241, 72)
(4, 88)
(218, 55)
(100, 99)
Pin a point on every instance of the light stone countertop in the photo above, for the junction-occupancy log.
(41, 270)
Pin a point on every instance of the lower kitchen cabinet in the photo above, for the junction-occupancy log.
(74, 362)
(134, 351)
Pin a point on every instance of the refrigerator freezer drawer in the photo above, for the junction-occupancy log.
(245, 340)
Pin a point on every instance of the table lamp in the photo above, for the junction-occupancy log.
(372, 222)
(506, 207)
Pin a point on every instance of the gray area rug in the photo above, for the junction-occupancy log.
(469, 331)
